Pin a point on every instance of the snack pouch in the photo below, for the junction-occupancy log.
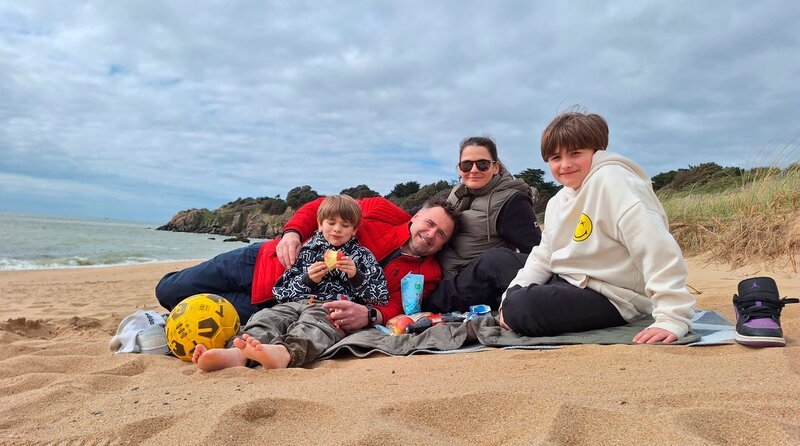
(411, 291)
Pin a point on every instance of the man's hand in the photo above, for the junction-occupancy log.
(288, 248)
(347, 266)
(653, 335)
(317, 271)
(350, 316)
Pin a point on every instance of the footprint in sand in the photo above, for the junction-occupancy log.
(130, 368)
(737, 426)
(35, 329)
(268, 418)
(138, 432)
(26, 383)
(134, 433)
(453, 419)
(84, 323)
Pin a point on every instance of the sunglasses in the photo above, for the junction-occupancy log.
(483, 165)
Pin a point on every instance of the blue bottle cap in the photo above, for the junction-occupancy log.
(480, 309)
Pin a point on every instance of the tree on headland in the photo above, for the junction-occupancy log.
(273, 206)
(546, 189)
(663, 179)
(360, 191)
(413, 201)
(706, 177)
(402, 190)
(300, 195)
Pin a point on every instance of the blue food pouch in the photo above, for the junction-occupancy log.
(411, 291)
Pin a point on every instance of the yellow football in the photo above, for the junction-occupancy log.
(205, 319)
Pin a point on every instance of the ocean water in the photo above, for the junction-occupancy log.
(39, 242)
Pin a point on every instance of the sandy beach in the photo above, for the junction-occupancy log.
(60, 384)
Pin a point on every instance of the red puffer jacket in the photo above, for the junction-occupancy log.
(384, 228)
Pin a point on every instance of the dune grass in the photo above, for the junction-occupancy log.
(758, 221)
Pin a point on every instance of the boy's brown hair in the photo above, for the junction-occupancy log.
(342, 206)
(572, 130)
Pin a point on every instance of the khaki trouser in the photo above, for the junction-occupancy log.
(302, 328)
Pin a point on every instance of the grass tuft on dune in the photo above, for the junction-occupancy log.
(756, 221)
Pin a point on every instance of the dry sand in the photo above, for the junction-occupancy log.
(60, 384)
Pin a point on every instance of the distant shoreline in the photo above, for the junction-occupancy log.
(112, 265)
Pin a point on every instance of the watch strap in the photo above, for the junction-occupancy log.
(372, 315)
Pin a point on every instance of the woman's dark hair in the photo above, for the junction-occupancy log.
(482, 141)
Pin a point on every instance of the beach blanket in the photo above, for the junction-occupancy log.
(709, 328)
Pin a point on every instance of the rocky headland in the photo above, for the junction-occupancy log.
(243, 218)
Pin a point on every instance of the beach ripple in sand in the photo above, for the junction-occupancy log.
(59, 383)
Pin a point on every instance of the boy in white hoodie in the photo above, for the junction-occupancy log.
(606, 257)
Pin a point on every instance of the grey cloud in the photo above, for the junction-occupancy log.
(209, 102)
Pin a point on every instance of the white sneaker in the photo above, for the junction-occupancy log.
(153, 340)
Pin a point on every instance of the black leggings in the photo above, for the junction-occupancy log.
(557, 307)
(481, 281)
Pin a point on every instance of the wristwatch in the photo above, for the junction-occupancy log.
(372, 315)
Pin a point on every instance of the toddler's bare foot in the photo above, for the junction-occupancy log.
(199, 349)
(270, 356)
(217, 358)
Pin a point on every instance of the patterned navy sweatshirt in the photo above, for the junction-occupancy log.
(368, 286)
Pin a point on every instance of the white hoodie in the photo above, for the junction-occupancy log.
(611, 235)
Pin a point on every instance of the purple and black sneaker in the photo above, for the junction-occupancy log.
(758, 313)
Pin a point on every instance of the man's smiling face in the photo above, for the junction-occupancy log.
(430, 229)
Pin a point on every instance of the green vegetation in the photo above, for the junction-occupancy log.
(300, 196)
(737, 219)
(414, 200)
(735, 215)
(360, 191)
(402, 190)
(545, 189)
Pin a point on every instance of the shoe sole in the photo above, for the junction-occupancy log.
(760, 341)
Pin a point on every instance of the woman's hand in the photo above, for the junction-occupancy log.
(653, 335)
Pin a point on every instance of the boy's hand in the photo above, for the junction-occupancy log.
(653, 335)
(317, 271)
(347, 266)
(503, 322)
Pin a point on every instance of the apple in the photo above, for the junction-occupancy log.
(332, 256)
(397, 325)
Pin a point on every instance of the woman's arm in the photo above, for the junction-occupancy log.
(517, 223)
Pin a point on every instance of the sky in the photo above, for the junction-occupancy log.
(139, 109)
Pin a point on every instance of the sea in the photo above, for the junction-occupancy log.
(44, 242)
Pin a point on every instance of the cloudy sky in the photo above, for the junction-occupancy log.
(136, 110)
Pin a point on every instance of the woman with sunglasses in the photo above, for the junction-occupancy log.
(496, 231)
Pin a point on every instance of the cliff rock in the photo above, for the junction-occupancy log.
(241, 218)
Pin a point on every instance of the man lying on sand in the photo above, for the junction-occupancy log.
(401, 244)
